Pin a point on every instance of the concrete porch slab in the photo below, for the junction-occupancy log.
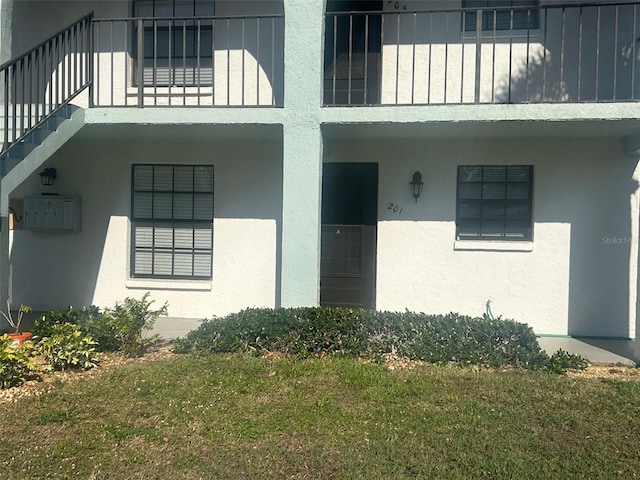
(170, 328)
(600, 352)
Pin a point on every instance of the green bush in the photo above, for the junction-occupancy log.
(43, 325)
(91, 321)
(67, 347)
(121, 328)
(130, 320)
(15, 364)
(370, 334)
(559, 362)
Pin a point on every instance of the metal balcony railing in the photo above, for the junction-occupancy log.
(550, 54)
(190, 61)
(39, 83)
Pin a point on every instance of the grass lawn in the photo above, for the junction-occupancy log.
(193, 417)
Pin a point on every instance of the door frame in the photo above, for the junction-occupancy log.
(368, 215)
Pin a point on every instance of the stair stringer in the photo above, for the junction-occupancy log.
(34, 159)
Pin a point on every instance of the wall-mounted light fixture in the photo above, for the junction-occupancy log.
(47, 176)
(416, 185)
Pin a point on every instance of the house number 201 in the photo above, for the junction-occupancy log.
(394, 208)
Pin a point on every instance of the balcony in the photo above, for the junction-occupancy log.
(551, 54)
(221, 61)
(232, 61)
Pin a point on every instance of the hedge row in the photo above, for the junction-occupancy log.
(317, 331)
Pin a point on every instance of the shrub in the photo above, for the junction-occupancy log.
(67, 347)
(92, 322)
(130, 320)
(14, 363)
(559, 362)
(370, 334)
(121, 328)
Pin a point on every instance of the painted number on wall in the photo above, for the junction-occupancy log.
(394, 208)
(397, 5)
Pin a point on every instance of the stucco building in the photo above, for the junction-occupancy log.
(225, 154)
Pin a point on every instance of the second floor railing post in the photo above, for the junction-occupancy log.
(5, 74)
(478, 55)
(90, 60)
(140, 67)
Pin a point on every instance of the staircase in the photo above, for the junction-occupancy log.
(28, 155)
(36, 114)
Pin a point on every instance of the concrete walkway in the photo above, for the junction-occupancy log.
(601, 352)
(170, 328)
(598, 352)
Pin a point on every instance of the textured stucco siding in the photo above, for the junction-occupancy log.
(573, 278)
(427, 58)
(53, 270)
(246, 68)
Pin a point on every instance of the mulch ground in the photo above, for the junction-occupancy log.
(43, 382)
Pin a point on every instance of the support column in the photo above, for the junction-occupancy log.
(302, 153)
(6, 19)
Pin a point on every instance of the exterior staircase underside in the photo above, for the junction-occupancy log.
(27, 156)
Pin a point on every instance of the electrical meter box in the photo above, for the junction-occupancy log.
(53, 213)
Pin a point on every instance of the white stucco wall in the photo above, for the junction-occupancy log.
(426, 58)
(52, 270)
(572, 279)
(246, 68)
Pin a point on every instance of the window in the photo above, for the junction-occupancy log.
(177, 51)
(502, 15)
(172, 221)
(494, 202)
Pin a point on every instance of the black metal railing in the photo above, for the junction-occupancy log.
(42, 81)
(189, 61)
(550, 54)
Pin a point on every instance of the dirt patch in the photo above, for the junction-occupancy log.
(43, 382)
(597, 371)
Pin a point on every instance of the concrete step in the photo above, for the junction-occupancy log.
(20, 151)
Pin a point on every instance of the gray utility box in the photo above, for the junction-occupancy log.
(53, 213)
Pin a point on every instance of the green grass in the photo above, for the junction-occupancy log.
(217, 416)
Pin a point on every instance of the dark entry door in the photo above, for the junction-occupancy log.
(352, 52)
(348, 241)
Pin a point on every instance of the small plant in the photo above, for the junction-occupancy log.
(15, 323)
(67, 348)
(44, 325)
(561, 361)
(130, 320)
(92, 322)
(15, 364)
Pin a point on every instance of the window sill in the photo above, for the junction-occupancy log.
(492, 246)
(164, 284)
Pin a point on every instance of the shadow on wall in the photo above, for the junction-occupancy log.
(55, 270)
(592, 62)
(586, 185)
(247, 69)
(600, 264)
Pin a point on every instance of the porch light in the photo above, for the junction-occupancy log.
(416, 185)
(47, 176)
